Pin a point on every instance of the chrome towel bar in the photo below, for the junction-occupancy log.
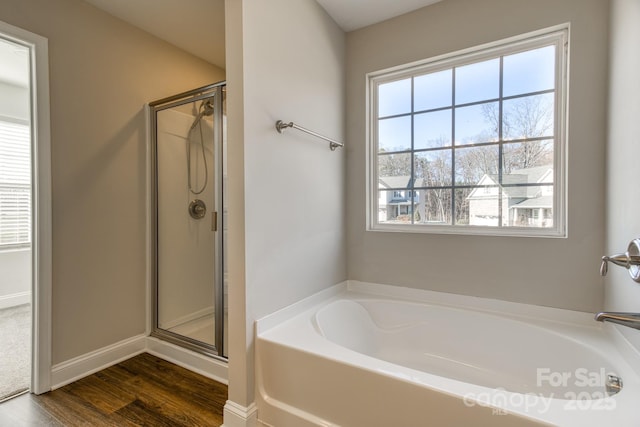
(333, 144)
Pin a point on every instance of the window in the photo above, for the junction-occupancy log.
(476, 138)
(15, 185)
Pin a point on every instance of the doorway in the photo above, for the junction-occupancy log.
(25, 214)
(15, 220)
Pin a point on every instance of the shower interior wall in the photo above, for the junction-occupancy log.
(186, 245)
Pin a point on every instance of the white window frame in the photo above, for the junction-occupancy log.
(557, 35)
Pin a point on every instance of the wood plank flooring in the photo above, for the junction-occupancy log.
(141, 391)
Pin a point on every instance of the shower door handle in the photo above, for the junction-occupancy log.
(214, 221)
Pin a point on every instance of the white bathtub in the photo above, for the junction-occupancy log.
(372, 355)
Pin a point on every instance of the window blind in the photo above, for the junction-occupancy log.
(15, 184)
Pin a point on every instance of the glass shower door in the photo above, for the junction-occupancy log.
(188, 154)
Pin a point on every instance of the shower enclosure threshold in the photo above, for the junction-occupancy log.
(200, 329)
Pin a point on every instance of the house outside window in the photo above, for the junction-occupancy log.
(473, 142)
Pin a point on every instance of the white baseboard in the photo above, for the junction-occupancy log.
(207, 366)
(87, 364)
(240, 416)
(90, 363)
(13, 300)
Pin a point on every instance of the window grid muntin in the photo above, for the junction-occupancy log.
(500, 137)
(453, 144)
(468, 104)
(557, 37)
(454, 147)
(412, 178)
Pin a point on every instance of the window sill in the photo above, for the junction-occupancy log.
(469, 230)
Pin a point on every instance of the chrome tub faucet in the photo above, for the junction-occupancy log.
(631, 320)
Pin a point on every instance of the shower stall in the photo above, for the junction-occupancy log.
(188, 153)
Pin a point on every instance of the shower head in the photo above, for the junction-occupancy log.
(205, 109)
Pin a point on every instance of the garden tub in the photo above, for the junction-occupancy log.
(362, 354)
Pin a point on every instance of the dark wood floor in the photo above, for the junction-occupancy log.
(141, 391)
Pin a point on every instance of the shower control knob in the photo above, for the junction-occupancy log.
(197, 209)
(629, 260)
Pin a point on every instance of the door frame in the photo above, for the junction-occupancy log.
(41, 225)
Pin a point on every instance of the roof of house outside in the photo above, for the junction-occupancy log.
(535, 203)
(397, 182)
(520, 176)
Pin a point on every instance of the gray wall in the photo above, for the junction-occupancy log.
(623, 203)
(102, 72)
(550, 272)
(285, 60)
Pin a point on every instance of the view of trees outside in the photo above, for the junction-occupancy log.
(436, 144)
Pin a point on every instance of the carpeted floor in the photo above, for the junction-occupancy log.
(15, 350)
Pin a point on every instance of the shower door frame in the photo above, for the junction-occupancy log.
(214, 90)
